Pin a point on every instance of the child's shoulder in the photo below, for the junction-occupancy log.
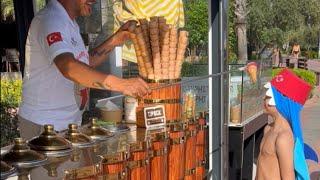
(284, 137)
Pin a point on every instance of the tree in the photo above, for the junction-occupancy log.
(241, 29)
(196, 17)
(232, 39)
(7, 10)
(279, 22)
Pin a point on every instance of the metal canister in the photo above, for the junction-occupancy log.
(190, 162)
(115, 165)
(139, 162)
(200, 147)
(159, 144)
(176, 158)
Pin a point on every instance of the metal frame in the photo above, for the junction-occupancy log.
(218, 124)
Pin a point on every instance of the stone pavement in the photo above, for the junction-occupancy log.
(310, 120)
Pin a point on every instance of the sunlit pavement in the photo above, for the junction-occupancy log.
(310, 120)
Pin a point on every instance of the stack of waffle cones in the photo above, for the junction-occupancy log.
(159, 48)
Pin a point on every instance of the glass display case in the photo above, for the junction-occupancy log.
(246, 97)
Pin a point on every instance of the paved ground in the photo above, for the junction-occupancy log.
(310, 118)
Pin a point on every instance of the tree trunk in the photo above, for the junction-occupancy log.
(193, 53)
(319, 46)
(241, 30)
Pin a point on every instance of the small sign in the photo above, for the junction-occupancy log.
(201, 89)
(154, 116)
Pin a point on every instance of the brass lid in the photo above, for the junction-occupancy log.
(6, 170)
(96, 132)
(49, 140)
(22, 156)
(77, 138)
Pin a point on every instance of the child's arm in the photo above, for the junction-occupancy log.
(284, 149)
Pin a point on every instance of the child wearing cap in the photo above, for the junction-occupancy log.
(283, 153)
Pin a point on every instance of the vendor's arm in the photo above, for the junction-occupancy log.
(83, 74)
(56, 43)
(284, 148)
(99, 54)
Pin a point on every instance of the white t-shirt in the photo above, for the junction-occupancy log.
(48, 97)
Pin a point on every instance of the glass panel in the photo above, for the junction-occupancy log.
(245, 97)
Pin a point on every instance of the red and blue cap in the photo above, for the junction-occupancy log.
(291, 86)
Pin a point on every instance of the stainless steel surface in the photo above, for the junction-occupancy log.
(114, 157)
(49, 141)
(22, 156)
(54, 163)
(118, 128)
(76, 138)
(6, 170)
(96, 132)
(85, 172)
(57, 153)
(79, 160)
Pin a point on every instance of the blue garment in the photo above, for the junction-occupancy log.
(290, 110)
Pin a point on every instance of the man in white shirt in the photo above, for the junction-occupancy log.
(59, 70)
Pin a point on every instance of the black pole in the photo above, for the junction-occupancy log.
(24, 13)
(219, 154)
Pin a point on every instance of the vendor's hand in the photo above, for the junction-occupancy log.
(134, 87)
(123, 33)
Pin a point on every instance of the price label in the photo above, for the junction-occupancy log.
(154, 116)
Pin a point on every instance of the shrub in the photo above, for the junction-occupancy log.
(306, 75)
(11, 92)
(190, 69)
(310, 54)
(10, 100)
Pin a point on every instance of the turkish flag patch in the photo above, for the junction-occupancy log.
(54, 37)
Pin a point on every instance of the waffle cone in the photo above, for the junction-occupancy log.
(252, 72)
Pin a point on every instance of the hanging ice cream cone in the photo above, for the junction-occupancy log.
(252, 69)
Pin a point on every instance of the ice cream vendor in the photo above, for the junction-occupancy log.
(59, 70)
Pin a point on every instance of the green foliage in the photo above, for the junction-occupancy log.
(306, 75)
(196, 16)
(232, 39)
(310, 54)
(7, 9)
(282, 21)
(39, 4)
(190, 70)
(10, 100)
(9, 125)
(11, 92)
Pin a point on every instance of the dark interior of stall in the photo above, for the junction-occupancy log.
(14, 27)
